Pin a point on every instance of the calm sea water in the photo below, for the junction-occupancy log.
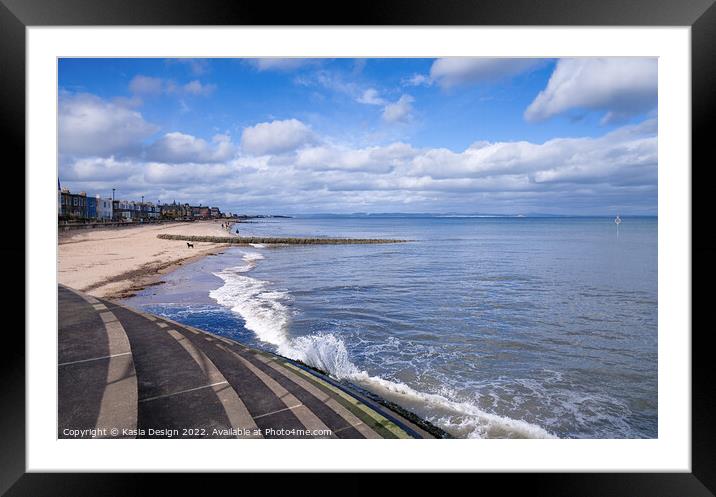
(487, 327)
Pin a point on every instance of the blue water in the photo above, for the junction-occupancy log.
(487, 327)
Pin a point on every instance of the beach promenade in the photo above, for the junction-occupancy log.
(126, 374)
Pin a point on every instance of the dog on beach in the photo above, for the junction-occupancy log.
(189, 245)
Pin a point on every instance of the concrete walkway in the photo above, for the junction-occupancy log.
(126, 374)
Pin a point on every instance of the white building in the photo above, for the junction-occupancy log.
(124, 210)
(104, 209)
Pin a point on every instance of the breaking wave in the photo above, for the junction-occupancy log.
(267, 313)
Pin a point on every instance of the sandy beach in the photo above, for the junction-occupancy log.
(116, 262)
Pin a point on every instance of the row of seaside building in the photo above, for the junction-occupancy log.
(83, 207)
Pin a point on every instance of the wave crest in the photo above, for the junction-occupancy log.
(266, 311)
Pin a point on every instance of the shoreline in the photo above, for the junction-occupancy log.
(115, 263)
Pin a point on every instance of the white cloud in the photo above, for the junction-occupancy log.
(335, 83)
(400, 111)
(276, 137)
(331, 81)
(455, 71)
(622, 87)
(89, 125)
(615, 158)
(129, 102)
(99, 169)
(418, 80)
(146, 85)
(179, 148)
(563, 175)
(370, 97)
(197, 88)
(187, 175)
(371, 159)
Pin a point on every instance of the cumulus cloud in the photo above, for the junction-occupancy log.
(370, 159)
(197, 88)
(370, 97)
(455, 71)
(130, 102)
(89, 125)
(400, 111)
(286, 168)
(620, 87)
(99, 169)
(276, 137)
(146, 85)
(150, 86)
(418, 80)
(614, 158)
(180, 148)
(187, 175)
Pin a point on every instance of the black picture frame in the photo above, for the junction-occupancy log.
(700, 15)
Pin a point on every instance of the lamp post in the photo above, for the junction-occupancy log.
(112, 194)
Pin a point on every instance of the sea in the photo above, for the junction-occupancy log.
(486, 326)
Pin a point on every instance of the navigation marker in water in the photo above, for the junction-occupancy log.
(617, 221)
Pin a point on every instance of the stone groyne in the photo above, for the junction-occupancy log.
(245, 240)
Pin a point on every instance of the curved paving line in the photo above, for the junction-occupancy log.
(379, 423)
(235, 409)
(355, 412)
(363, 426)
(118, 407)
(205, 343)
(280, 373)
(369, 415)
(373, 418)
(324, 397)
(307, 418)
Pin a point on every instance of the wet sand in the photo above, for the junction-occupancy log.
(117, 262)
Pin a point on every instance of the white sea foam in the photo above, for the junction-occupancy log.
(462, 418)
(252, 256)
(266, 311)
(257, 245)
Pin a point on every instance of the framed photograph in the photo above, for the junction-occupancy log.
(464, 233)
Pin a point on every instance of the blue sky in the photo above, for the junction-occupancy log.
(287, 136)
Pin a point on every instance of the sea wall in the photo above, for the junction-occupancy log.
(61, 227)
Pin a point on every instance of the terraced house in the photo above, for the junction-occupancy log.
(73, 205)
